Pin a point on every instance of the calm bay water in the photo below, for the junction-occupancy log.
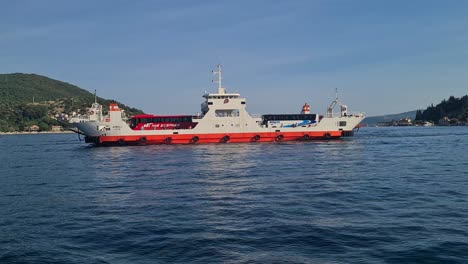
(388, 195)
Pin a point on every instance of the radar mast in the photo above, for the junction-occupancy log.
(219, 72)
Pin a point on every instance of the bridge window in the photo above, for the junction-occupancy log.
(227, 113)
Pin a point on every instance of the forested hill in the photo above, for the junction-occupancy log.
(451, 108)
(31, 99)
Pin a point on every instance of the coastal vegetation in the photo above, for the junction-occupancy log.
(31, 100)
(455, 109)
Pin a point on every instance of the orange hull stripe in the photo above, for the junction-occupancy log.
(220, 137)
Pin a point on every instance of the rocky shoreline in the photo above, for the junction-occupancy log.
(36, 133)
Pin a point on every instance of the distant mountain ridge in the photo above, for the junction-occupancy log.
(31, 99)
(373, 120)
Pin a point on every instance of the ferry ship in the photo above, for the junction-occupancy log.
(223, 119)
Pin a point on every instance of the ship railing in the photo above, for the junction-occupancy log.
(349, 114)
(84, 118)
(356, 114)
(79, 118)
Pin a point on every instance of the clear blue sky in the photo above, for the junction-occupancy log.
(384, 56)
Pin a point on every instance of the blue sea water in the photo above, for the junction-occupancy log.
(387, 195)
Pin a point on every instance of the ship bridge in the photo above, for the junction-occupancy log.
(222, 103)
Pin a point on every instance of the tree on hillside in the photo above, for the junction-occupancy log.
(419, 115)
(34, 111)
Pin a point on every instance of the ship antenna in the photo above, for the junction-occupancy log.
(336, 94)
(95, 97)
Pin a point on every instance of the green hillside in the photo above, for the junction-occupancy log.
(452, 108)
(20, 88)
(31, 99)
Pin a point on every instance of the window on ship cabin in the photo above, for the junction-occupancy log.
(227, 113)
